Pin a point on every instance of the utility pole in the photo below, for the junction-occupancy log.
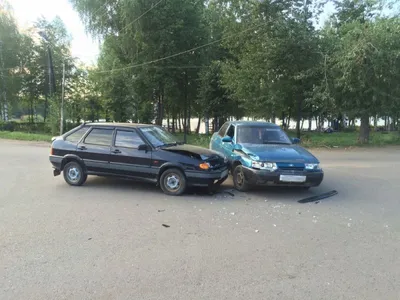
(4, 108)
(62, 101)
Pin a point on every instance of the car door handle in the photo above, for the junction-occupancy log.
(82, 148)
(116, 151)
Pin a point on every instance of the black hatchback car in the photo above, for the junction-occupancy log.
(139, 151)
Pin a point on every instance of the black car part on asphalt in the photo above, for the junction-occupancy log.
(318, 197)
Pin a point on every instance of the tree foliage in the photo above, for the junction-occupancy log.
(172, 60)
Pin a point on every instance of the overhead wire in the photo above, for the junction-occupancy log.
(179, 53)
(142, 15)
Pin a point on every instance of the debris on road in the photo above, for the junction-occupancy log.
(318, 197)
(256, 230)
(89, 239)
(232, 213)
(166, 226)
(161, 210)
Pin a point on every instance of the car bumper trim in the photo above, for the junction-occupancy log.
(261, 177)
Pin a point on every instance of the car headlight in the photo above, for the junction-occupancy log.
(259, 165)
(225, 159)
(312, 166)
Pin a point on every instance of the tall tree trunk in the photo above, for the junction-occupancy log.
(198, 126)
(309, 124)
(376, 123)
(298, 119)
(173, 123)
(180, 123)
(185, 127)
(363, 137)
(167, 122)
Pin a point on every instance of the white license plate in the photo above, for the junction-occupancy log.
(224, 174)
(292, 178)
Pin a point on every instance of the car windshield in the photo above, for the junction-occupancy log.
(261, 135)
(159, 137)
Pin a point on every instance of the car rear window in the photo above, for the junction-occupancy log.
(100, 137)
(76, 136)
(128, 139)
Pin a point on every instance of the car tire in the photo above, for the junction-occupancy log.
(173, 182)
(239, 179)
(74, 174)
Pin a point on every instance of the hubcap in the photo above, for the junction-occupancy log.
(172, 182)
(240, 178)
(73, 174)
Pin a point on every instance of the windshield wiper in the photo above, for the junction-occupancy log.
(278, 143)
(169, 144)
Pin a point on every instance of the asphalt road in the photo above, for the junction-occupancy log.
(105, 240)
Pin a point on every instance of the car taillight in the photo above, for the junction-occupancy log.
(51, 151)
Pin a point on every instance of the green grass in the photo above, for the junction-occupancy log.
(308, 140)
(348, 139)
(24, 136)
(319, 140)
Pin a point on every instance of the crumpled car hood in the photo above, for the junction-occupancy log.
(201, 153)
(278, 153)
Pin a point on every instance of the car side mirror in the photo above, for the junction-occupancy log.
(143, 147)
(295, 140)
(237, 147)
(227, 139)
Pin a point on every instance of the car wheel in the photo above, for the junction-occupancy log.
(239, 180)
(74, 174)
(173, 182)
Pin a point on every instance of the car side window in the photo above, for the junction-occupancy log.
(76, 136)
(231, 131)
(128, 139)
(99, 136)
(223, 129)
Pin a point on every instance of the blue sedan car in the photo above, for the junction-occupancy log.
(260, 153)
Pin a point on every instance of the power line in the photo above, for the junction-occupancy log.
(178, 54)
(138, 18)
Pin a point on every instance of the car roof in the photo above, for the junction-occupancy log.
(112, 124)
(253, 123)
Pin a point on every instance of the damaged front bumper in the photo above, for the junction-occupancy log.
(283, 177)
(204, 178)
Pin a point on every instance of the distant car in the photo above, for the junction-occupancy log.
(261, 153)
(144, 152)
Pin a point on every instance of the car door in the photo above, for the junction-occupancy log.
(94, 149)
(127, 159)
(227, 148)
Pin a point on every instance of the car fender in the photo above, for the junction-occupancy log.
(169, 165)
(69, 157)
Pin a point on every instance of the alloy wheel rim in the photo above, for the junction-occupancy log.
(239, 178)
(172, 182)
(74, 174)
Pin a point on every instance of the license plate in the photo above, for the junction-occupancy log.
(224, 174)
(292, 178)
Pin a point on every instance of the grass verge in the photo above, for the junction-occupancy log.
(320, 140)
(25, 136)
(308, 139)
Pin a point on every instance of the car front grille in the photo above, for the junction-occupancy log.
(291, 166)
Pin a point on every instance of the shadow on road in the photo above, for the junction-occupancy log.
(257, 193)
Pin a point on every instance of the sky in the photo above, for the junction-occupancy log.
(28, 11)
